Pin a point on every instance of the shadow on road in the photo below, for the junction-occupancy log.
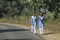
(20, 39)
(28, 35)
(12, 30)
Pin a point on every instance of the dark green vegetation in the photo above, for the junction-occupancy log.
(17, 11)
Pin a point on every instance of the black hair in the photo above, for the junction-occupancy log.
(41, 14)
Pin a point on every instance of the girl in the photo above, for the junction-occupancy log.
(33, 22)
(41, 23)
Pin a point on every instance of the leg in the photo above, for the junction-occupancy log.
(41, 30)
(34, 28)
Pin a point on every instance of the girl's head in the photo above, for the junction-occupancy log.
(34, 14)
(41, 15)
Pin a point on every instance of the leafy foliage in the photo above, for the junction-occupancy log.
(12, 8)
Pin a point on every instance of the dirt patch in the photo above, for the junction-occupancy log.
(52, 36)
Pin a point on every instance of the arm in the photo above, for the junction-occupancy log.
(31, 18)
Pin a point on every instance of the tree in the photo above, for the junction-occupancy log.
(53, 6)
(27, 7)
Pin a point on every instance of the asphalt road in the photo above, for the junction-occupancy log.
(9, 32)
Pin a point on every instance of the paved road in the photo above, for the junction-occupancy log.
(9, 32)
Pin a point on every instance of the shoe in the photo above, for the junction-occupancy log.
(34, 33)
(41, 33)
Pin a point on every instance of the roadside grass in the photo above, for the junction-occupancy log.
(53, 26)
(21, 21)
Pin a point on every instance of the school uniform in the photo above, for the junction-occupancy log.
(33, 24)
(41, 24)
